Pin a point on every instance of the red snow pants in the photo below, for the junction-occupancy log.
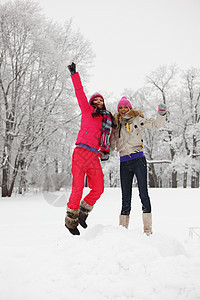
(85, 162)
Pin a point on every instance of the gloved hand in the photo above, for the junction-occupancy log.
(103, 155)
(72, 68)
(162, 108)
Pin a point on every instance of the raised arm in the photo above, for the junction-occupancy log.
(155, 123)
(80, 94)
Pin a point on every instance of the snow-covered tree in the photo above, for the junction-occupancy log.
(173, 152)
(163, 82)
(35, 89)
(190, 106)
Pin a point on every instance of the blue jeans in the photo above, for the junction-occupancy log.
(128, 169)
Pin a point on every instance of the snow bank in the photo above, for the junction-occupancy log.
(39, 259)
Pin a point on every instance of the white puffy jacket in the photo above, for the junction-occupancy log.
(128, 137)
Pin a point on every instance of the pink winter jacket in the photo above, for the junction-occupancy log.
(90, 131)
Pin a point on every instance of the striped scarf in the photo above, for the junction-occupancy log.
(106, 131)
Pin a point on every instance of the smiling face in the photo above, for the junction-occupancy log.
(98, 101)
(123, 109)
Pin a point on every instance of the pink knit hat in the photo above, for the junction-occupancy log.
(124, 101)
(94, 96)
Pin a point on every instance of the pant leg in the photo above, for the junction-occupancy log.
(95, 179)
(78, 173)
(141, 175)
(126, 179)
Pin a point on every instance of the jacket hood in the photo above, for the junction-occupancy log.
(134, 113)
(130, 114)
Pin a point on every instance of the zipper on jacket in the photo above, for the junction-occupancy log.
(120, 127)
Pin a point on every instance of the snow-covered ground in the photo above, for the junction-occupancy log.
(39, 259)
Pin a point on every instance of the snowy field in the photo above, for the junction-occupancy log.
(40, 260)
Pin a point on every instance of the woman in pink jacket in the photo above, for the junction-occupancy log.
(92, 142)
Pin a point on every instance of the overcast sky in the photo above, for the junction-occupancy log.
(131, 38)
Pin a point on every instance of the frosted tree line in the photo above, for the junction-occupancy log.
(173, 152)
(39, 116)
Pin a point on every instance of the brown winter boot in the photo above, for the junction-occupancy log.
(124, 220)
(85, 209)
(71, 221)
(147, 221)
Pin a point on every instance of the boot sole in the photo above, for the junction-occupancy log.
(83, 225)
(73, 231)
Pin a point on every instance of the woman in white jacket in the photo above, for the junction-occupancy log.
(127, 138)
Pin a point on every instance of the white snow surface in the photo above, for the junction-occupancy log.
(40, 259)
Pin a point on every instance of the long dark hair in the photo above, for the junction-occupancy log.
(98, 112)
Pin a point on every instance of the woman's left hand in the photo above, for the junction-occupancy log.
(103, 155)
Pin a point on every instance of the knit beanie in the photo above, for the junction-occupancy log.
(124, 101)
(94, 96)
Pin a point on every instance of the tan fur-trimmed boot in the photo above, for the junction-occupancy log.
(124, 220)
(147, 221)
(85, 209)
(71, 221)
